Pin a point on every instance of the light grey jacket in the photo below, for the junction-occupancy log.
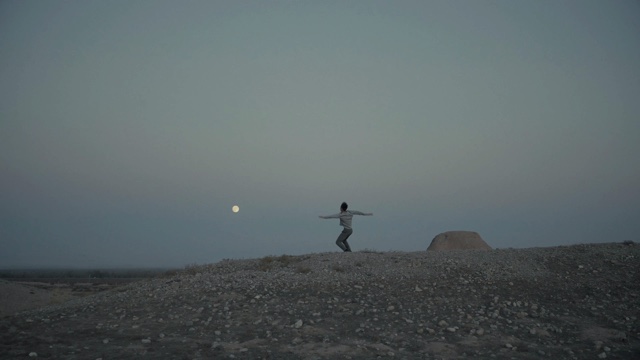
(346, 217)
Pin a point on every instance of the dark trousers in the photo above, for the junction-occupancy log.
(342, 239)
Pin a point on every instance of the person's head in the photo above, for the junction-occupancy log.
(344, 206)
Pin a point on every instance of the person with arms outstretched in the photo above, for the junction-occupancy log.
(345, 217)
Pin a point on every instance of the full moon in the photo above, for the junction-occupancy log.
(235, 208)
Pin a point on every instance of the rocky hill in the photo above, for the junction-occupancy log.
(571, 302)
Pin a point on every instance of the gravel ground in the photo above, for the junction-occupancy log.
(571, 302)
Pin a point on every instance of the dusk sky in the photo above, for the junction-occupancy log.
(129, 129)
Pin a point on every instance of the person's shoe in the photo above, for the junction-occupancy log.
(348, 250)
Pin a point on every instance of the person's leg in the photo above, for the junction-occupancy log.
(346, 244)
(342, 240)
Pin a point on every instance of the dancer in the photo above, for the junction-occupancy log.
(345, 217)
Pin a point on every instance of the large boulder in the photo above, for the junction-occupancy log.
(458, 240)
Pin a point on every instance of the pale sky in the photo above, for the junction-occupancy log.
(129, 129)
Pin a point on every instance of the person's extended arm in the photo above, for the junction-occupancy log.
(334, 216)
(355, 212)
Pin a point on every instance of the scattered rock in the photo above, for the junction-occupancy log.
(507, 303)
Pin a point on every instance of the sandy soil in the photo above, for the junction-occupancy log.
(19, 296)
(16, 297)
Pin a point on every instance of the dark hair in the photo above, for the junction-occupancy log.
(344, 206)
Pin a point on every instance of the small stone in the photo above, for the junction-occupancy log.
(391, 308)
(480, 332)
(451, 329)
(542, 332)
(298, 324)
(105, 341)
(33, 354)
(443, 323)
(418, 289)
(602, 355)
(146, 341)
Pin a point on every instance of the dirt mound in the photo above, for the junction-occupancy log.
(458, 240)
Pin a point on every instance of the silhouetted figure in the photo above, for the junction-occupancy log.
(345, 217)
